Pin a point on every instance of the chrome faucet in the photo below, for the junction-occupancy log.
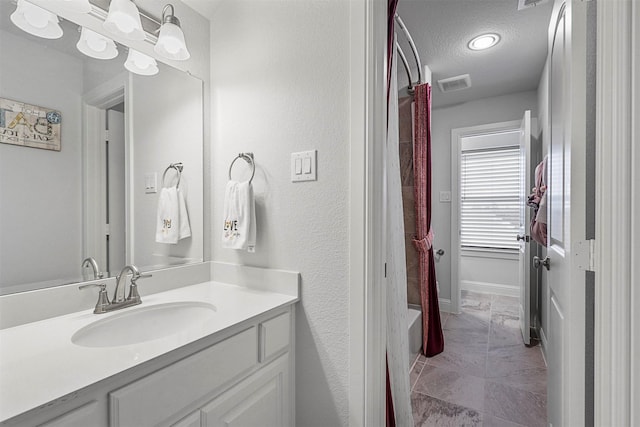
(118, 301)
(94, 266)
(118, 295)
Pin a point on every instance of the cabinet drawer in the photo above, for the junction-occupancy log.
(170, 390)
(274, 335)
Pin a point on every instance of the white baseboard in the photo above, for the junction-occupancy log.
(543, 342)
(490, 288)
(445, 305)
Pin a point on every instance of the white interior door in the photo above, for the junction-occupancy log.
(115, 192)
(524, 257)
(567, 212)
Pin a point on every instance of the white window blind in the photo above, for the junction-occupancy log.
(490, 199)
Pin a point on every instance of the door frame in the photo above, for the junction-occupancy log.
(618, 100)
(457, 135)
(617, 336)
(367, 232)
(94, 174)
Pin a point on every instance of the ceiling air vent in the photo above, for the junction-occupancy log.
(455, 83)
(525, 4)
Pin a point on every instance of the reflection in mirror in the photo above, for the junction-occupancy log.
(96, 197)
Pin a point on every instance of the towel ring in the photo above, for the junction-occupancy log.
(178, 167)
(247, 157)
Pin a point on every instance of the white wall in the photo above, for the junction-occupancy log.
(493, 275)
(41, 208)
(280, 84)
(483, 111)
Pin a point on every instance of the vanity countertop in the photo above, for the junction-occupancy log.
(39, 363)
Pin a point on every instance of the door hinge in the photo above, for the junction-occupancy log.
(107, 229)
(106, 135)
(584, 254)
(385, 269)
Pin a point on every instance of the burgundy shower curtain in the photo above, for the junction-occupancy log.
(432, 337)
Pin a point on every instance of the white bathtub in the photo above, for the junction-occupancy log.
(415, 333)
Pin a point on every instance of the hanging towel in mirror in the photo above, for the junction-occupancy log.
(185, 227)
(172, 220)
(239, 228)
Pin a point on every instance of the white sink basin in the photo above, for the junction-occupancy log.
(141, 324)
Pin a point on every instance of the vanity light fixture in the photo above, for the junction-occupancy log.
(124, 19)
(139, 63)
(36, 20)
(484, 41)
(171, 42)
(96, 45)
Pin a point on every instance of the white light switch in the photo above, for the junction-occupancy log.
(151, 182)
(445, 196)
(303, 166)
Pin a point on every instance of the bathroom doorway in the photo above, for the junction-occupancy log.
(491, 250)
(115, 188)
(105, 175)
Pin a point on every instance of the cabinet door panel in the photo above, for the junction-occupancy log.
(171, 390)
(259, 401)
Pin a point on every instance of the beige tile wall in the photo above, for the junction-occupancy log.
(406, 171)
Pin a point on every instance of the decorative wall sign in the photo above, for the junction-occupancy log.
(29, 125)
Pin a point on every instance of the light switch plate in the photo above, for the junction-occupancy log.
(303, 166)
(445, 196)
(151, 183)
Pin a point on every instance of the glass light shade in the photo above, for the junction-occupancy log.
(78, 6)
(171, 43)
(139, 63)
(36, 20)
(124, 19)
(96, 45)
(484, 41)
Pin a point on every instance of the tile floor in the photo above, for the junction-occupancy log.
(485, 376)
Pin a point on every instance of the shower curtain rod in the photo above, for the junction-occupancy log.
(405, 63)
(413, 49)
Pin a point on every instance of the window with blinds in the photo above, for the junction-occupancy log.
(490, 198)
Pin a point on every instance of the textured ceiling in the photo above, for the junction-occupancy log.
(441, 30)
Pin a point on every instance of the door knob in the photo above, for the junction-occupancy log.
(546, 263)
(523, 238)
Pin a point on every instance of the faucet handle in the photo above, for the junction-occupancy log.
(103, 297)
(133, 289)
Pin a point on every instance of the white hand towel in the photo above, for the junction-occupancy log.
(185, 227)
(167, 228)
(239, 228)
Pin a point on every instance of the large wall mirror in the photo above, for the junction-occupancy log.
(98, 196)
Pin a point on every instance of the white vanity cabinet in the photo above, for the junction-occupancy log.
(244, 380)
(242, 376)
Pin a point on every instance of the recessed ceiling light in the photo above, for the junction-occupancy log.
(484, 41)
